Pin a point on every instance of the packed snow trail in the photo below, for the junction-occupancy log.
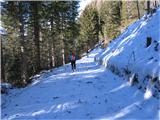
(91, 92)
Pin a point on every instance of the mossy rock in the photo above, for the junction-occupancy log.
(133, 79)
(127, 71)
(149, 41)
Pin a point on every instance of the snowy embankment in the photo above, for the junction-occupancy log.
(132, 56)
(92, 92)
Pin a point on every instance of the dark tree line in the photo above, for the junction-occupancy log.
(40, 34)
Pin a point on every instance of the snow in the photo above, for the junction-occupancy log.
(2, 31)
(129, 52)
(91, 92)
(83, 4)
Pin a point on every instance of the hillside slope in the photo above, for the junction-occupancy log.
(132, 56)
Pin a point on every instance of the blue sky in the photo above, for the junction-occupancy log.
(83, 4)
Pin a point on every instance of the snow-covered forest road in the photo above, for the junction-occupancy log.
(91, 92)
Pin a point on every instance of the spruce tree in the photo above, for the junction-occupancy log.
(89, 27)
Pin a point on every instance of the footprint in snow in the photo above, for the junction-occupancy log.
(72, 96)
(37, 101)
(88, 114)
(79, 101)
(55, 97)
(89, 82)
(139, 107)
(96, 97)
(16, 104)
(17, 115)
(99, 103)
(105, 100)
(68, 111)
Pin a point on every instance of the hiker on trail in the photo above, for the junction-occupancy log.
(72, 59)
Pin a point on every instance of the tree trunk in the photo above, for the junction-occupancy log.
(53, 55)
(2, 64)
(36, 35)
(50, 53)
(155, 4)
(52, 46)
(62, 36)
(129, 11)
(63, 56)
(138, 9)
(120, 7)
(63, 50)
(24, 75)
(148, 6)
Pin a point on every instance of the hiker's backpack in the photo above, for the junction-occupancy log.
(73, 58)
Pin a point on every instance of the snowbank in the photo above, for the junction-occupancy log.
(133, 56)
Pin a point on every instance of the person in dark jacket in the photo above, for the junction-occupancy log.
(72, 59)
